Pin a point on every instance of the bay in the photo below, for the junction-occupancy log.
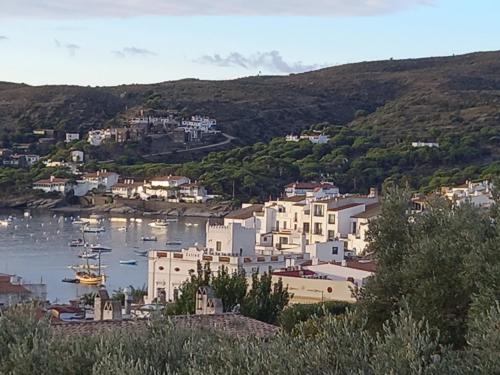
(37, 249)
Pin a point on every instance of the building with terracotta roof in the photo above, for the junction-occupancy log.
(53, 184)
(13, 291)
(101, 179)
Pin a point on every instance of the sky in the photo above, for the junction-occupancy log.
(111, 42)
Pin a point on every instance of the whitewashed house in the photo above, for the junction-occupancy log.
(70, 137)
(13, 290)
(77, 156)
(313, 189)
(128, 189)
(424, 144)
(357, 239)
(53, 184)
(96, 137)
(101, 179)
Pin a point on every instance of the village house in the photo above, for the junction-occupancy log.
(424, 144)
(70, 137)
(193, 193)
(77, 156)
(357, 239)
(316, 138)
(21, 160)
(318, 190)
(96, 137)
(13, 290)
(53, 185)
(478, 194)
(128, 189)
(101, 179)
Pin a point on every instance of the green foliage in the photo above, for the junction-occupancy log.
(437, 262)
(291, 316)
(265, 300)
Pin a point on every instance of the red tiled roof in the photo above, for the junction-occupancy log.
(245, 213)
(8, 288)
(168, 178)
(371, 210)
(51, 182)
(233, 324)
(344, 207)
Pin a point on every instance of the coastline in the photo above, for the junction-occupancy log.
(120, 207)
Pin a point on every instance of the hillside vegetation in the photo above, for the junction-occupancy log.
(415, 98)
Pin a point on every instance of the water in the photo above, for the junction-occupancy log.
(37, 249)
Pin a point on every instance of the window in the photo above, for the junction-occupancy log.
(295, 217)
(284, 225)
(294, 226)
(277, 225)
(354, 228)
(331, 235)
(218, 246)
(318, 210)
(335, 250)
(331, 219)
(283, 240)
(318, 228)
(306, 228)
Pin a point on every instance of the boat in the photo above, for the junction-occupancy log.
(87, 255)
(122, 229)
(92, 267)
(100, 249)
(70, 280)
(118, 219)
(93, 229)
(150, 238)
(195, 224)
(141, 253)
(4, 223)
(188, 224)
(159, 224)
(89, 278)
(77, 243)
(172, 220)
(173, 242)
(131, 262)
(80, 222)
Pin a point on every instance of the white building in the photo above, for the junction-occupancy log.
(312, 189)
(70, 137)
(53, 184)
(96, 137)
(101, 179)
(201, 123)
(424, 144)
(167, 270)
(77, 156)
(128, 189)
(13, 290)
(357, 239)
(169, 181)
(317, 138)
(355, 271)
(476, 193)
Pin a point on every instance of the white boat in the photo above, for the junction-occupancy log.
(100, 248)
(151, 238)
(88, 255)
(77, 243)
(138, 220)
(171, 220)
(80, 222)
(118, 219)
(122, 229)
(5, 223)
(188, 224)
(93, 229)
(158, 224)
(142, 253)
(130, 262)
(195, 224)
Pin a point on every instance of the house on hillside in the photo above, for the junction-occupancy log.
(13, 291)
(53, 185)
(101, 179)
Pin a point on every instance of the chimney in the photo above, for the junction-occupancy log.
(52, 178)
(344, 263)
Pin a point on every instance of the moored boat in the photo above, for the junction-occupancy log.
(100, 248)
(81, 267)
(130, 262)
(88, 255)
(173, 242)
(150, 238)
(141, 253)
(70, 280)
(161, 224)
(93, 229)
(89, 278)
(77, 243)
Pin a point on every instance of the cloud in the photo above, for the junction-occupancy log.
(3, 37)
(130, 8)
(271, 61)
(133, 51)
(71, 48)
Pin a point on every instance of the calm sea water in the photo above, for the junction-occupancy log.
(36, 248)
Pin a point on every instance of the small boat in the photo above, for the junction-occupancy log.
(188, 224)
(4, 223)
(138, 220)
(122, 229)
(195, 224)
(151, 238)
(27, 214)
(77, 243)
(69, 280)
(93, 229)
(88, 255)
(118, 219)
(131, 262)
(141, 253)
(100, 249)
(171, 220)
(80, 222)
(173, 242)
(162, 224)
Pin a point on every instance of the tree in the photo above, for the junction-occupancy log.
(230, 288)
(265, 301)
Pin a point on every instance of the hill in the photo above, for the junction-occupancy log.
(415, 98)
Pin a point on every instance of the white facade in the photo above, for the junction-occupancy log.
(53, 184)
(314, 138)
(341, 272)
(101, 179)
(169, 181)
(476, 193)
(70, 137)
(77, 156)
(167, 270)
(424, 144)
(201, 123)
(312, 189)
(96, 137)
(232, 238)
(128, 189)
